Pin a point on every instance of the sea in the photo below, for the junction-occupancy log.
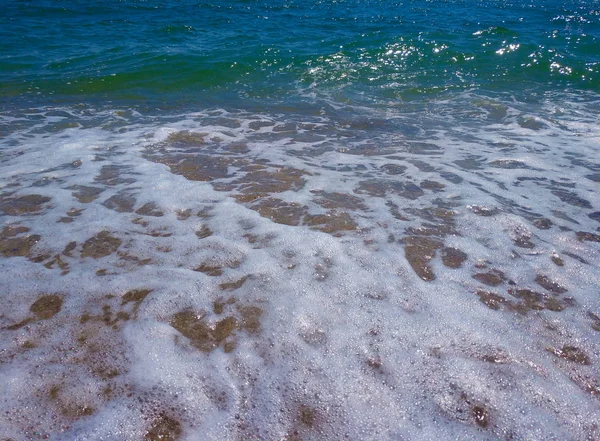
(300, 220)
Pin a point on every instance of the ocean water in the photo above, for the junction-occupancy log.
(300, 220)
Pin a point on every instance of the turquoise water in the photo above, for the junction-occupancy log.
(253, 220)
(232, 52)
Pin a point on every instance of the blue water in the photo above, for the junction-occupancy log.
(233, 52)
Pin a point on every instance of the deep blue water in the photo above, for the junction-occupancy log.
(231, 53)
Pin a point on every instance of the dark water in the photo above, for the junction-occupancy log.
(242, 52)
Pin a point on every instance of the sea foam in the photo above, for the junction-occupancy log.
(234, 275)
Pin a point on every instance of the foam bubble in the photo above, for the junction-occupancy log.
(356, 274)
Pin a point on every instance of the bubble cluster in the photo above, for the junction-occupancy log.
(253, 276)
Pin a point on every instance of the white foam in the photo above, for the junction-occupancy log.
(350, 340)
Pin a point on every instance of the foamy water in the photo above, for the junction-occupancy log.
(326, 275)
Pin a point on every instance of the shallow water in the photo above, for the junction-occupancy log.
(309, 254)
